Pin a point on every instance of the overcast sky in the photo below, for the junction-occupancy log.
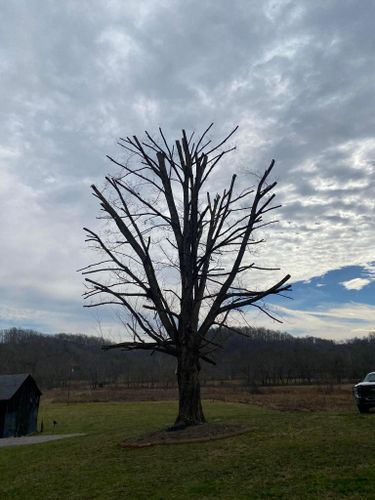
(297, 76)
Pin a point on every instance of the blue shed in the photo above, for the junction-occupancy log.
(19, 403)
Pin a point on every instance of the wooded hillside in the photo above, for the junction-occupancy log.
(258, 357)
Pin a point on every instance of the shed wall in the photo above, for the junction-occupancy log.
(19, 414)
(2, 417)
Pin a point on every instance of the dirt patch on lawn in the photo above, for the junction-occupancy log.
(192, 434)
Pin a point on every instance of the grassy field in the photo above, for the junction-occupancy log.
(284, 455)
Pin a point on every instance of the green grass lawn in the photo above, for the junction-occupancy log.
(285, 455)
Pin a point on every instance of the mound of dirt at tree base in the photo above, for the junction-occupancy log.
(191, 434)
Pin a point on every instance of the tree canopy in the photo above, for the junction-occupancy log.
(179, 259)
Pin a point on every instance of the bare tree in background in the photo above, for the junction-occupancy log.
(177, 259)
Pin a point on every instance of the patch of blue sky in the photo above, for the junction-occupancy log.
(329, 289)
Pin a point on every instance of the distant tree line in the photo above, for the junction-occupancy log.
(266, 357)
(60, 359)
(257, 357)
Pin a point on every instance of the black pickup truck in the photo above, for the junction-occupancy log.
(364, 393)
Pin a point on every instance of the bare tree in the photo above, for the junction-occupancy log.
(177, 259)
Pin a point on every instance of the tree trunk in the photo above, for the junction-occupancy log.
(190, 408)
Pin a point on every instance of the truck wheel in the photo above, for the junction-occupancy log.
(363, 409)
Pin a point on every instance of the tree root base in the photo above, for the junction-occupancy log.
(189, 434)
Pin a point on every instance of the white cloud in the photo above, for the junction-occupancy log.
(339, 322)
(355, 284)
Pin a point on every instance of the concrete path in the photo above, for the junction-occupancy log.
(20, 441)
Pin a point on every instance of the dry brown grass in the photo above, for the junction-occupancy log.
(296, 398)
(290, 398)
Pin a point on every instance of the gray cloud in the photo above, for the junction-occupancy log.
(297, 77)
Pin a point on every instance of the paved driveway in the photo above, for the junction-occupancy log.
(20, 441)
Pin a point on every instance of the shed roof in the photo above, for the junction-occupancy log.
(9, 384)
